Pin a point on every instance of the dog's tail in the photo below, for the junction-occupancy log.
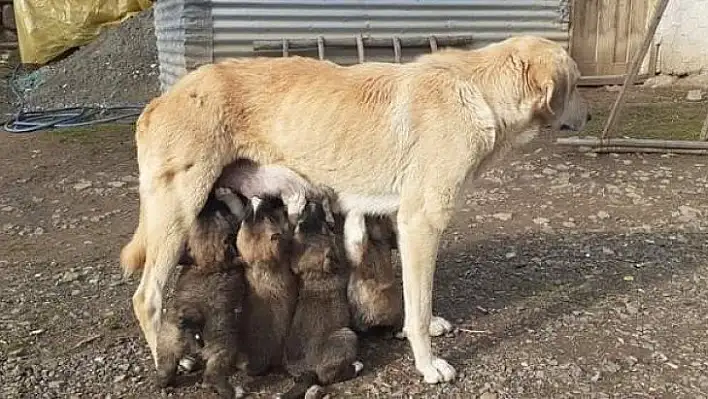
(132, 256)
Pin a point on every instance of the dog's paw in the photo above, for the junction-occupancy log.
(439, 326)
(438, 370)
(358, 367)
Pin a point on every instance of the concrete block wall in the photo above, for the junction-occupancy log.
(683, 37)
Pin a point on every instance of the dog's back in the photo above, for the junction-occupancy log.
(264, 242)
(320, 348)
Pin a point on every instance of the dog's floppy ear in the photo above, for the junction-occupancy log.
(541, 82)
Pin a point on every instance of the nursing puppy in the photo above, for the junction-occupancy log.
(320, 348)
(204, 316)
(264, 244)
(387, 138)
(375, 296)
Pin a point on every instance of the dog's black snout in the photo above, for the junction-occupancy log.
(588, 118)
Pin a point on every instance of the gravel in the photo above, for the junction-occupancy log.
(120, 67)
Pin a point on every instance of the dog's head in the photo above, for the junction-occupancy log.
(265, 231)
(549, 78)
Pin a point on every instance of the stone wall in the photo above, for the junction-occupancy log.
(683, 37)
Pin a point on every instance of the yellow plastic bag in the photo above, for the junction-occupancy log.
(47, 28)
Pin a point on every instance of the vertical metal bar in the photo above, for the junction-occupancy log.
(286, 49)
(320, 47)
(360, 48)
(397, 49)
(433, 44)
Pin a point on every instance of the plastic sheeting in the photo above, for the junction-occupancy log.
(47, 28)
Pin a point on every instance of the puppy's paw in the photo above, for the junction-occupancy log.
(358, 367)
(315, 392)
(439, 326)
(437, 371)
(187, 364)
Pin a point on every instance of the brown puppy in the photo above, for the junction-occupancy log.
(203, 318)
(375, 296)
(264, 243)
(320, 348)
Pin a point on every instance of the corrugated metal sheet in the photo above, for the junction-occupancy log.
(184, 37)
(236, 24)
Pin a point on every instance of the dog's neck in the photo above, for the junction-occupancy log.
(484, 74)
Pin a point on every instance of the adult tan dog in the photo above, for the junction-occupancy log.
(387, 138)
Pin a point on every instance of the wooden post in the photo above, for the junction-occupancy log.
(704, 130)
(634, 67)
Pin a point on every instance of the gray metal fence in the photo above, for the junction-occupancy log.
(194, 32)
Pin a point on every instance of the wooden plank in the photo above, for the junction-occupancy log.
(584, 25)
(621, 55)
(634, 67)
(606, 36)
(608, 80)
(704, 129)
(647, 143)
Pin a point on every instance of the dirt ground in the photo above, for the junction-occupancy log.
(566, 275)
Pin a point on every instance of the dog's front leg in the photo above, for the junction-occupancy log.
(420, 227)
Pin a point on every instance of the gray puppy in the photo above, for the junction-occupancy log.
(204, 316)
(320, 348)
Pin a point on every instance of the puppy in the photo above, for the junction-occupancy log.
(264, 243)
(375, 296)
(203, 317)
(320, 348)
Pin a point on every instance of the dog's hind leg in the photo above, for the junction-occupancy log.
(172, 201)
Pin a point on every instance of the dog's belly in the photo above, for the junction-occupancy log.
(368, 204)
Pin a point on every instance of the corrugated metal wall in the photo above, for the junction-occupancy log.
(236, 24)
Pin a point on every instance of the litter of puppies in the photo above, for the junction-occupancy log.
(259, 293)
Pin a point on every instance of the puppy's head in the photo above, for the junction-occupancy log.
(549, 79)
(212, 237)
(265, 231)
(316, 243)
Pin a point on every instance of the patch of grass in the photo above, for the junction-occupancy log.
(88, 134)
(668, 121)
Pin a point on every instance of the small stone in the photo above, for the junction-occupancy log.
(502, 216)
(54, 384)
(75, 292)
(119, 378)
(129, 179)
(541, 221)
(38, 231)
(603, 215)
(7, 208)
(510, 255)
(69, 277)
(488, 395)
(82, 185)
(569, 225)
(694, 95)
(116, 184)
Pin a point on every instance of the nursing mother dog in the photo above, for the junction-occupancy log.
(396, 139)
